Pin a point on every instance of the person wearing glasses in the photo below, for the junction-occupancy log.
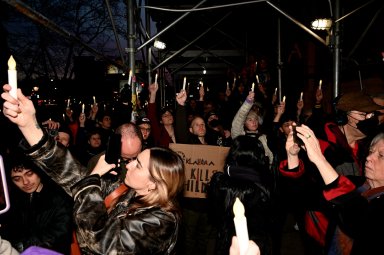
(344, 142)
(144, 124)
(356, 201)
(131, 145)
(143, 220)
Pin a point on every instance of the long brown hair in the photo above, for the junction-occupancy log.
(167, 170)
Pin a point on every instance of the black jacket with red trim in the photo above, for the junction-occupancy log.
(360, 213)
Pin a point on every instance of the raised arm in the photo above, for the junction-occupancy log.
(241, 115)
(23, 114)
(312, 146)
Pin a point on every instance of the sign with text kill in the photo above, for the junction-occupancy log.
(201, 162)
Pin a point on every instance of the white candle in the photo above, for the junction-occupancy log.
(241, 226)
(94, 100)
(256, 65)
(275, 91)
(202, 85)
(227, 85)
(156, 79)
(12, 77)
(320, 82)
(283, 99)
(184, 82)
(130, 78)
(82, 108)
(301, 96)
(68, 102)
(257, 79)
(63, 116)
(253, 87)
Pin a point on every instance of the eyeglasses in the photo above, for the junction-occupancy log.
(127, 160)
(364, 114)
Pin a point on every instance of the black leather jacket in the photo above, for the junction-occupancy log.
(149, 230)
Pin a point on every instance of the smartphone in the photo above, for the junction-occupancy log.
(112, 154)
(296, 139)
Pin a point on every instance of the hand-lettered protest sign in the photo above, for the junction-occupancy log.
(201, 162)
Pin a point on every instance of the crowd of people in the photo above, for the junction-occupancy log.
(117, 188)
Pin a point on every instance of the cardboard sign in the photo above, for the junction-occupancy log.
(201, 162)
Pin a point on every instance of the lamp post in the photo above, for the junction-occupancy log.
(333, 42)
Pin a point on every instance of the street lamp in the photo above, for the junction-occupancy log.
(159, 44)
(321, 24)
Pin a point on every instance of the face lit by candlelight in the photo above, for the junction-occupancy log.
(95, 140)
(26, 180)
(198, 127)
(106, 122)
(167, 118)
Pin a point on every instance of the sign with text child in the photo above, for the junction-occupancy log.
(201, 162)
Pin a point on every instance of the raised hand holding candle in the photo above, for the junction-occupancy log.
(301, 96)
(241, 226)
(320, 82)
(184, 82)
(82, 108)
(12, 77)
(283, 99)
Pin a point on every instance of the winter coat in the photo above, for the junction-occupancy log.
(238, 128)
